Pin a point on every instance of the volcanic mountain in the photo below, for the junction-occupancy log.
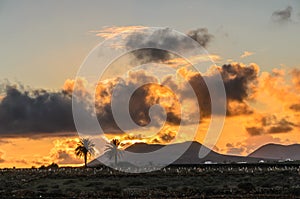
(277, 152)
(189, 157)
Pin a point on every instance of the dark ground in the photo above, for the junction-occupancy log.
(202, 181)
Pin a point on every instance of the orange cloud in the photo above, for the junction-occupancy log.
(295, 73)
(2, 157)
(25, 153)
(247, 54)
(179, 62)
(63, 152)
(110, 32)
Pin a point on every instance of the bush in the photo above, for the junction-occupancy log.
(246, 186)
(136, 183)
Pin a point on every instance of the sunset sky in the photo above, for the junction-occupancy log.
(254, 44)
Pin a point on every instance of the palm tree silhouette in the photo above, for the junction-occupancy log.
(113, 151)
(84, 148)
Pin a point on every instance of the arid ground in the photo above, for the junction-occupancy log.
(202, 181)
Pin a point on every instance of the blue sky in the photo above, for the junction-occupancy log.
(44, 42)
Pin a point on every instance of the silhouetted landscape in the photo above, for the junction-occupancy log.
(215, 176)
(184, 181)
(190, 156)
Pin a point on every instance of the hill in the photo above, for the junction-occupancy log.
(190, 156)
(277, 152)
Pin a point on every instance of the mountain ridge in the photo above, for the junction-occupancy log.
(277, 152)
(190, 156)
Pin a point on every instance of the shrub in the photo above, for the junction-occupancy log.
(246, 186)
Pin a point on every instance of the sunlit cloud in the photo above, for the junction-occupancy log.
(110, 32)
(246, 54)
(182, 62)
(2, 157)
(63, 152)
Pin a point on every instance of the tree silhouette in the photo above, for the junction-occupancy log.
(84, 148)
(113, 151)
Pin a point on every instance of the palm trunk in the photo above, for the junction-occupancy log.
(85, 160)
(116, 159)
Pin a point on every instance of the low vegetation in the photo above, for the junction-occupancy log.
(202, 181)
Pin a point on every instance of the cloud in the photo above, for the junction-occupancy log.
(1, 157)
(4, 141)
(37, 112)
(253, 131)
(201, 35)
(282, 16)
(295, 107)
(21, 161)
(270, 124)
(239, 81)
(163, 39)
(229, 145)
(63, 157)
(41, 112)
(276, 103)
(135, 34)
(110, 32)
(63, 152)
(235, 151)
(246, 54)
(254, 142)
(295, 73)
(165, 135)
(144, 96)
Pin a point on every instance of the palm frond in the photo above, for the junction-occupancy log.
(112, 149)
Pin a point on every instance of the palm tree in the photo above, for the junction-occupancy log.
(84, 148)
(113, 151)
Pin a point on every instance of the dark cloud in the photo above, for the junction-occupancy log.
(282, 126)
(271, 124)
(21, 161)
(282, 16)
(201, 35)
(237, 79)
(239, 82)
(164, 39)
(295, 107)
(35, 111)
(229, 145)
(253, 131)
